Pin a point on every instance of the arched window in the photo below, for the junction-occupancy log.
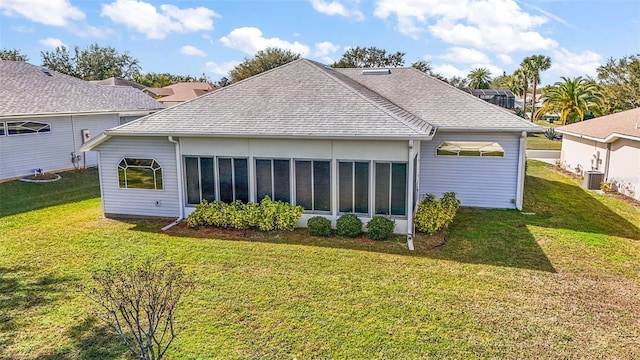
(136, 173)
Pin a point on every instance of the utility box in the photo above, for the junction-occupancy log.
(592, 180)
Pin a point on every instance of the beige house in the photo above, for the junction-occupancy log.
(179, 92)
(608, 144)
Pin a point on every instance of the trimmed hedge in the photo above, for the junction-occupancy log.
(319, 226)
(433, 214)
(266, 215)
(380, 228)
(348, 225)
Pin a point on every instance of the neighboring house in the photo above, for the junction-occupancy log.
(500, 97)
(114, 81)
(363, 141)
(180, 92)
(609, 144)
(46, 116)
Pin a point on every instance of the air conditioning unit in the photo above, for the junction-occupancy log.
(592, 180)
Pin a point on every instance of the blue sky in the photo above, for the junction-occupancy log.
(195, 37)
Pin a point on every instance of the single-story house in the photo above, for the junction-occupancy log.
(45, 117)
(609, 144)
(336, 141)
(180, 92)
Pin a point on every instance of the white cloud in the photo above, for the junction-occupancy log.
(494, 25)
(146, 19)
(192, 51)
(465, 56)
(569, 64)
(250, 40)
(449, 70)
(52, 43)
(221, 68)
(324, 50)
(505, 59)
(336, 8)
(48, 12)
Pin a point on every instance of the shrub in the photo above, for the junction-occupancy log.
(380, 228)
(266, 215)
(551, 134)
(319, 226)
(433, 215)
(139, 301)
(348, 225)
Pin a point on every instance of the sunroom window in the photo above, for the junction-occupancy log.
(353, 186)
(134, 173)
(273, 178)
(313, 184)
(470, 148)
(391, 189)
(1, 128)
(27, 127)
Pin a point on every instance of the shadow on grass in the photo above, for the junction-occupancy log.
(90, 339)
(18, 197)
(20, 293)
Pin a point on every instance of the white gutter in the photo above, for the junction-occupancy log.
(180, 188)
(521, 170)
(610, 138)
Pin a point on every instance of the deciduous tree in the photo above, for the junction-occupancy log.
(620, 80)
(263, 60)
(91, 63)
(371, 57)
(13, 55)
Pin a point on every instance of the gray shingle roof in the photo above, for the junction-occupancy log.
(26, 89)
(442, 105)
(308, 99)
(626, 123)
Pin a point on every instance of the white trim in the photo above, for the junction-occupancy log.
(521, 170)
(610, 138)
(410, 192)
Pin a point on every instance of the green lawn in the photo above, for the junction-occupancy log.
(562, 283)
(540, 142)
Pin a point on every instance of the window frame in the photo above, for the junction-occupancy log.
(353, 187)
(272, 194)
(3, 131)
(41, 130)
(233, 177)
(200, 180)
(470, 149)
(374, 210)
(313, 195)
(150, 166)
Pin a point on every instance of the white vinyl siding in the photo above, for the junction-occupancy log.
(145, 202)
(489, 182)
(50, 151)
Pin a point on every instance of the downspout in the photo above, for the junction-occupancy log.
(606, 165)
(521, 170)
(410, 198)
(180, 189)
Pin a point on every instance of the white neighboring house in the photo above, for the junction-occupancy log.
(45, 117)
(609, 144)
(363, 141)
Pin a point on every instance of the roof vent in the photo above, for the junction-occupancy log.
(45, 71)
(376, 72)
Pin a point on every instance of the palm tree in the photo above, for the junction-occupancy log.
(535, 64)
(479, 78)
(522, 77)
(572, 98)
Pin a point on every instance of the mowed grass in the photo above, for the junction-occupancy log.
(540, 142)
(560, 283)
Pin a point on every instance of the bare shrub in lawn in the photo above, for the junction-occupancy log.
(138, 301)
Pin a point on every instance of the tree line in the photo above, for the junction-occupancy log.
(617, 87)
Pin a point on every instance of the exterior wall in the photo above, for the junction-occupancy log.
(579, 155)
(21, 154)
(138, 202)
(489, 182)
(301, 149)
(624, 167)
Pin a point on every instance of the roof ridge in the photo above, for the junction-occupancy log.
(348, 82)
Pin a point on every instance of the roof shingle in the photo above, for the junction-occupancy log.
(623, 123)
(26, 89)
